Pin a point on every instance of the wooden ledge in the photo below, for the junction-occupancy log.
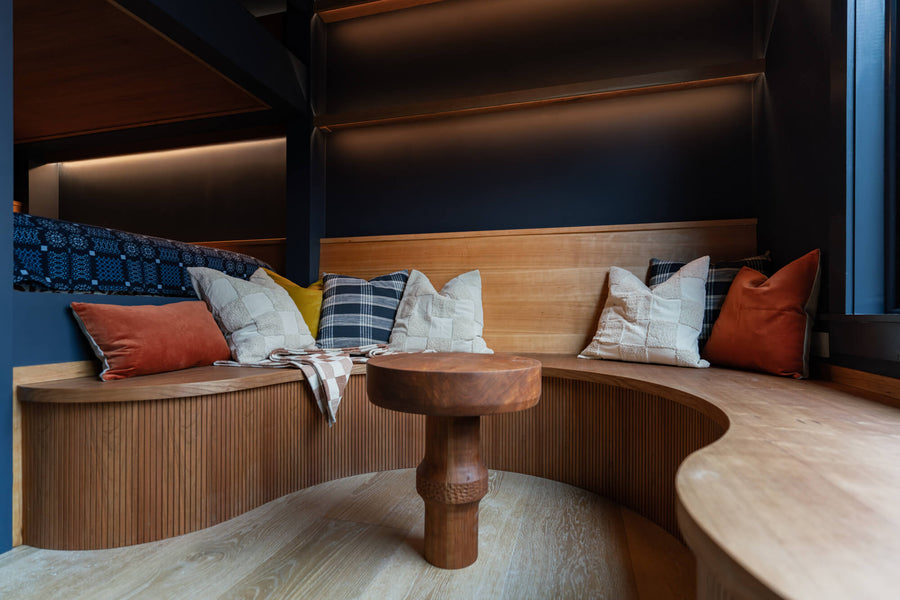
(198, 381)
(799, 498)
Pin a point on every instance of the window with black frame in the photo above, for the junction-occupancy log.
(892, 162)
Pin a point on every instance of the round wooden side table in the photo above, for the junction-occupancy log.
(453, 391)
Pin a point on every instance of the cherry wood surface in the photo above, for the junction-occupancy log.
(332, 11)
(454, 384)
(542, 289)
(89, 66)
(197, 381)
(798, 498)
(452, 480)
(622, 447)
(453, 390)
(801, 496)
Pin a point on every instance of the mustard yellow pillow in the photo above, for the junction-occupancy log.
(307, 299)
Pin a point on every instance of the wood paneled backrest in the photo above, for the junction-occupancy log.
(542, 288)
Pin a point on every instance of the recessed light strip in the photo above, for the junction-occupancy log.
(332, 11)
(531, 98)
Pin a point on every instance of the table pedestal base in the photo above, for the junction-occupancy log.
(452, 480)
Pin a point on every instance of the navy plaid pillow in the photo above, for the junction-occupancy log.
(721, 274)
(356, 312)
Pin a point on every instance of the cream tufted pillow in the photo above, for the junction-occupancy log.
(653, 326)
(256, 317)
(449, 321)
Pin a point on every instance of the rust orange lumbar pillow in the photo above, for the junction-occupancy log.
(765, 323)
(140, 340)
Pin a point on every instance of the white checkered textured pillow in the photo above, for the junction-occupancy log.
(721, 274)
(653, 326)
(356, 312)
(449, 321)
(255, 317)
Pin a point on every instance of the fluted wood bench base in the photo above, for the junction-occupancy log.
(111, 473)
(804, 476)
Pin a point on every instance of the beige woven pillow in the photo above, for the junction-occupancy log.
(449, 321)
(653, 326)
(256, 317)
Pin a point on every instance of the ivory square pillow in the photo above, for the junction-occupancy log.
(661, 325)
(256, 317)
(451, 320)
(307, 299)
(717, 282)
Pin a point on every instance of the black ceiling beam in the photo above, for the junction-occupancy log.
(227, 37)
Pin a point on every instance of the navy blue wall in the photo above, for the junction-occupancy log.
(6, 310)
(671, 156)
(230, 191)
(44, 330)
(804, 202)
(475, 47)
(665, 156)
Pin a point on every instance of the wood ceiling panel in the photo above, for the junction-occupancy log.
(88, 66)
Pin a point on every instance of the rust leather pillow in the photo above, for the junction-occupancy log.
(140, 340)
(765, 323)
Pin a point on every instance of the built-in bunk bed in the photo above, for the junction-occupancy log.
(57, 262)
(98, 78)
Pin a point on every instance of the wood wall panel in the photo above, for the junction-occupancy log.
(100, 475)
(542, 289)
(89, 66)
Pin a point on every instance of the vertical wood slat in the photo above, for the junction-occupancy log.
(112, 474)
(622, 444)
(168, 467)
(710, 587)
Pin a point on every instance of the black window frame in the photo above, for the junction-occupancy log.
(892, 160)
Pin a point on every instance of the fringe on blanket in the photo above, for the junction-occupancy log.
(326, 371)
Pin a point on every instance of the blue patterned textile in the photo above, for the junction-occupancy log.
(356, 312)
(59, 256)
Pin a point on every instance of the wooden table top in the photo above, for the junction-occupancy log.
(453, 384)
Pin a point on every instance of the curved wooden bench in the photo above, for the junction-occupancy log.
(116, 463)
(799, 499)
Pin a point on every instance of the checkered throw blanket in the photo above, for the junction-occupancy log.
(326, 371)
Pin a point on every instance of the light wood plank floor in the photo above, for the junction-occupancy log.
(361, 537)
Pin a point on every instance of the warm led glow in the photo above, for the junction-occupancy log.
(333, 11)
(179, 153)
(530, 99)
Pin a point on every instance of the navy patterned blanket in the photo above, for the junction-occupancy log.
(59, 256)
